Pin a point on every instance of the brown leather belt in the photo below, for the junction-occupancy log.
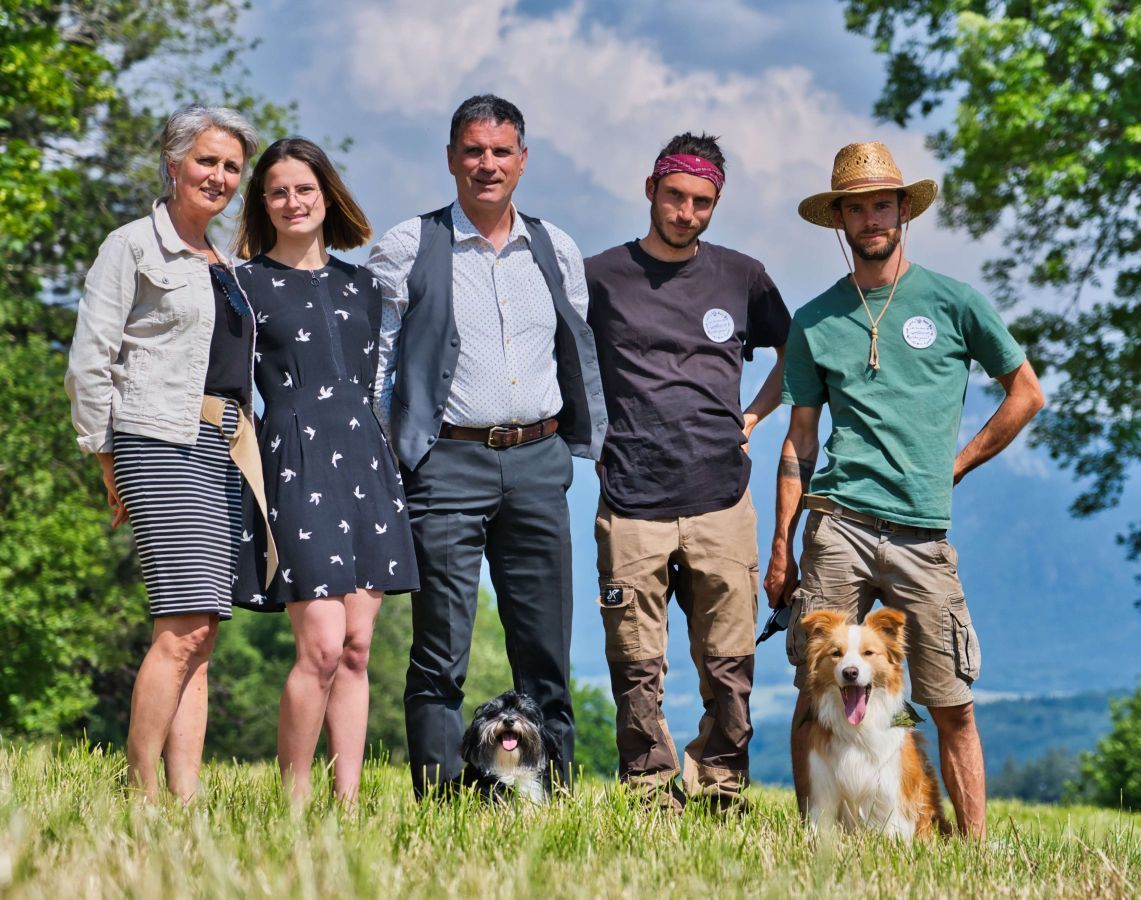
(500, 437)
(244, 452)
(834, 509)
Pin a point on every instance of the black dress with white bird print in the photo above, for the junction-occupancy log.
(336, 505)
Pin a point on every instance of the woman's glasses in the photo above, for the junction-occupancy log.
(305, 193)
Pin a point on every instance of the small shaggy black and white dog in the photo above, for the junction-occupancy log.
(508, 749)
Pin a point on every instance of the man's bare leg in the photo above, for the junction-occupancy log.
(799, 746)
(961, 760)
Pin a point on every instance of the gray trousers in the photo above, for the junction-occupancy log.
(467, 500)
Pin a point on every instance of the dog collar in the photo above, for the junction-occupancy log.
(907, 717)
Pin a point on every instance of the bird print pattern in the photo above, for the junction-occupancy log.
(337, 506)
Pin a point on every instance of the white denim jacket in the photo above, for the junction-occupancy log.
(142, 340)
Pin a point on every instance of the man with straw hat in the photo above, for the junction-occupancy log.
(889, 347)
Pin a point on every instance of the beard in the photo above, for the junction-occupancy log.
(884, 252)
(657, 220)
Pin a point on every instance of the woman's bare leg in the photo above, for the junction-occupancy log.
(172, 672)
(319, 632)
(346, 718)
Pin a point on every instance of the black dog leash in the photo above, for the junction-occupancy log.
(777, 621)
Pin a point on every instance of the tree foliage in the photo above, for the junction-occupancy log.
(596, 752)
(1044, 147)
(84, 89)
(1041, 780)
(255, 652)
(79, 114)
(1111, 775)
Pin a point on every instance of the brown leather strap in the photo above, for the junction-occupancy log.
(500, 437)
(244, 453)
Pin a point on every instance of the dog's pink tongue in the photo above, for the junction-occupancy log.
(508, 741)
(855, 703)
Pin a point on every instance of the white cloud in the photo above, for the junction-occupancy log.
(408, 56)
(600, 100)
(1022, 459)
(1018, 456)
(601, 105)
(721, 24)
(605, 101)
(773, 701)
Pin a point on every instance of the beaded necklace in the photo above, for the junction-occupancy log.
(874, 355)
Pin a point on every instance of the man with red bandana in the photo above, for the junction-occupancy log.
(674, 318)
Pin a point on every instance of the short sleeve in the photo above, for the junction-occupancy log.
(803, 384)
(988, 339)
(768, 317)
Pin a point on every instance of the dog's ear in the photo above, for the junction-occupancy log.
(891, 625)
(527, 706)
(820, 622)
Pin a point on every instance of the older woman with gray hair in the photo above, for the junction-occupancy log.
(161, 392)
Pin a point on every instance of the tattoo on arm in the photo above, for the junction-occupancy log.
(797, 467)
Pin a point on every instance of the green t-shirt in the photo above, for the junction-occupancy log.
(894, 431)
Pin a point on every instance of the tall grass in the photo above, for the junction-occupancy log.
(68, 828)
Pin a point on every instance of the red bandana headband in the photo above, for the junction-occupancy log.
(689, 165)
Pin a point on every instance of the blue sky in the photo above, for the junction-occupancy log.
(602, 86)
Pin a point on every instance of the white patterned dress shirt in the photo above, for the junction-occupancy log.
(504, 314)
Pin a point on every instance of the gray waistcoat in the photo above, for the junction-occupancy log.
(429, 346)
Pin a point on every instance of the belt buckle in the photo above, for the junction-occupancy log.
(226, 403)
(506, 431)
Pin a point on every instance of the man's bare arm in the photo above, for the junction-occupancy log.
(797, 463)
(1022, 401)
(768, 397)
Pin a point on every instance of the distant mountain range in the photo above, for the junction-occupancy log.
(1051, 597)
(1022, 730)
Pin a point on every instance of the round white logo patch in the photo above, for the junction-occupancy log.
(919, 332)
(718, 325)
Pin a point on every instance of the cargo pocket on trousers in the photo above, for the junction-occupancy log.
(960, 639)
(795, 641)
(619, 621)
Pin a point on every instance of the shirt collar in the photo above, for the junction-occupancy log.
(168, 236)
(464, 230)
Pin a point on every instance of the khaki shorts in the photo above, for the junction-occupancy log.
(847, 566)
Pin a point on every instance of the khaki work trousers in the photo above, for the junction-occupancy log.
(709, 562)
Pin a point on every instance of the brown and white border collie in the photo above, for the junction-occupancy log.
(864, 771)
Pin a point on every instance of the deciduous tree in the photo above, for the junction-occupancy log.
(80, 107)
(1045, 148)
(1111, 775)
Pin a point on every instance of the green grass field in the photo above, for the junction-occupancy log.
(68, 829)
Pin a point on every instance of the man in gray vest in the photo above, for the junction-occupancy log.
(489, 384)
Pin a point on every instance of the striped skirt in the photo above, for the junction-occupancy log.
(185, 508)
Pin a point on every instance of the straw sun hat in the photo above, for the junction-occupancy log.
(862, 169)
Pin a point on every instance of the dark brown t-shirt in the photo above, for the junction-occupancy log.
(671, 341)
